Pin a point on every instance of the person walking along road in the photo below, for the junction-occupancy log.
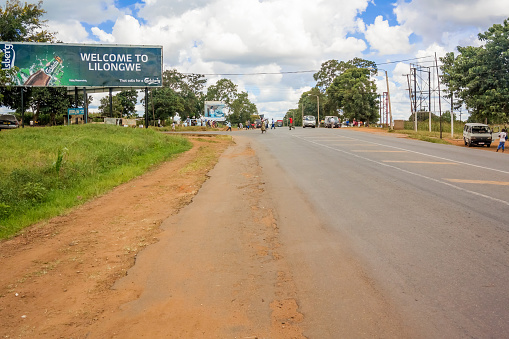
(503, 137)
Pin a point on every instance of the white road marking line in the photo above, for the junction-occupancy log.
(421, 162)
(434, 156)
(413, 173)
(482, 182)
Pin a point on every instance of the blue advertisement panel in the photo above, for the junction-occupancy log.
(72, 65)
(214, 110)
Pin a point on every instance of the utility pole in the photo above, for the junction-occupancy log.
(411, 103)
(452, 115)
(439, 100)
(391, 125)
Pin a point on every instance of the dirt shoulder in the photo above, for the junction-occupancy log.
(57, 275)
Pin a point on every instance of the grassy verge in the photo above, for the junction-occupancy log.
(424, 134)
(46, 171)
(188, 129)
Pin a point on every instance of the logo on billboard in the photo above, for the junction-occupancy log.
(9, 56)
(149, 81)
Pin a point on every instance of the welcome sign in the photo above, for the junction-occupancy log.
(72, 65)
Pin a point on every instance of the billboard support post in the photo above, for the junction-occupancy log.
(111, 102)
(76, 97)
(146, 107)
(85, 104)
(22, 109)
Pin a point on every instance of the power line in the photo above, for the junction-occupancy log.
(292, 72)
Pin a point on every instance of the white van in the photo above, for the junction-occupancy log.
(477, 134)
(309, 121)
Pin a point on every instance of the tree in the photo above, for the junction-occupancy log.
(355, 93)
(185, 83)
(478, 76)
(189, 87)
(20, 22)
(166, 103)
(116, 107)
(308, 105)
(128, 99)
(242, 109)
(224, 90)
(333, 68)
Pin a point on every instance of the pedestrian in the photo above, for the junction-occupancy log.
(229, 127)
(501, 143)
(263, 127)
(290, 124)
(272, 126)
(173, 126)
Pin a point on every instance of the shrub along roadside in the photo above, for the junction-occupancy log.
(45, 171)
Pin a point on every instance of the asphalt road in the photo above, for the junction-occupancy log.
(427, 223)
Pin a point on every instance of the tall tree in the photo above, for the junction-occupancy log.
(166, 103)
(128, 99)
(356, 94)
(242, 109)
(224, 90)
(23, 22)
(478, 76)
(189, 87)
(333, 68)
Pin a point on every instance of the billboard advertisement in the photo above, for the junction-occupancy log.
(73, 65)
(214, 110)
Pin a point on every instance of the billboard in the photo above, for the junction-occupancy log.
(214, 110)
(74, 65)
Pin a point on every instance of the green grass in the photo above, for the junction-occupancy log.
(46, 171)
(424, 134)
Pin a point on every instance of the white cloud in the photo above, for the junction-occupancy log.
(448, 21)
(386, 39)
(92, 11)
(69, 31)
(102, 35)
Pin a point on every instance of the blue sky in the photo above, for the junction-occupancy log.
(254, 36)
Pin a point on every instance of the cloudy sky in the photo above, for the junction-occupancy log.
(281, 37)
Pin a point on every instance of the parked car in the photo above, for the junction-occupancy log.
(258, 123)
(477, 134)
(309, 121)
(8, 121)
(332, 122)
